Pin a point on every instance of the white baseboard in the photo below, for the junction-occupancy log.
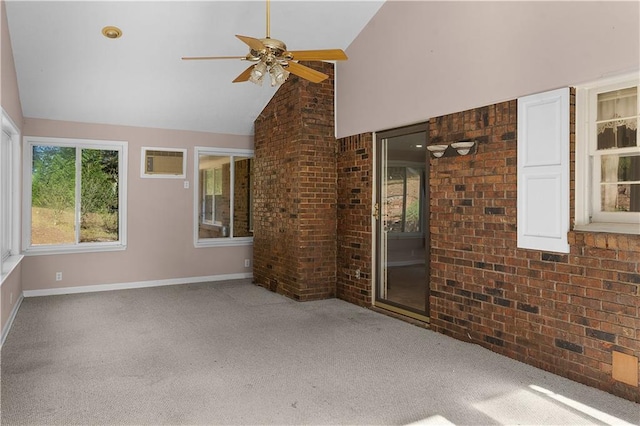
(130, 285)
(14, 312)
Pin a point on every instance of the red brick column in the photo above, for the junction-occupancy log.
(295, 190)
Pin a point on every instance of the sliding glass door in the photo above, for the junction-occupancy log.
(402, 222)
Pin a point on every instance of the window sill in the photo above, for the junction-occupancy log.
(37, 251)
(211, 224)
(608, 227)
(9, 265)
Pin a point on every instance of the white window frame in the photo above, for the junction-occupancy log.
(588, 216)
(12, 200)
(222, 152)
(77, 247)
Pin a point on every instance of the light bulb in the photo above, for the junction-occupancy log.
(278, 74)
(257, 73)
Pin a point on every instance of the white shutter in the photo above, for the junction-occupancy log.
(543, 171)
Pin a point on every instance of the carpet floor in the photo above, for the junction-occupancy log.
(234, 353)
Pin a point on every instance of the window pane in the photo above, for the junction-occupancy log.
(617, 134)
(53, 195)
(618, 104)
(620, 168)
(620, 197)
(215, 195)
(242, 197)
(620, 183)
(99, 196)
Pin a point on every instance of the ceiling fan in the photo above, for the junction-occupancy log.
(270, 56)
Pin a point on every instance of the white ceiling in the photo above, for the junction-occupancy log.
(67, 70)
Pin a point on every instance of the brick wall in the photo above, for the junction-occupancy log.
(564, 313)
(355, 174)
(241, 199)
(295, 190)
(223, 208)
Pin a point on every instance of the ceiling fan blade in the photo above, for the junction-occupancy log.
(245, 75)
(197, 58)
(306, 72)
(253, 43)
(319, 55)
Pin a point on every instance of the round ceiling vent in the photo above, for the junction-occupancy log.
(112, 32)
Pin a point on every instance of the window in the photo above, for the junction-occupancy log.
(9, 195)
(608, 156)
(223, 197)
(75, 195)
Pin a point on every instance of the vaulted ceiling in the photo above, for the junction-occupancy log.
(67, 70)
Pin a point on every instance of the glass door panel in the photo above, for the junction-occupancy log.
(402, 222)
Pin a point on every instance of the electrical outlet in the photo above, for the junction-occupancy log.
(186, 184)
(357, 274)
(58, 276)
(247, 263)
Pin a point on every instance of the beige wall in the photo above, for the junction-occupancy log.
(159, 220)
(10, 99)
(422, 59)
(9, 83)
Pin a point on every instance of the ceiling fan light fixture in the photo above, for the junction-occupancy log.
(258, 72)
(278, 74)
(273, 57)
